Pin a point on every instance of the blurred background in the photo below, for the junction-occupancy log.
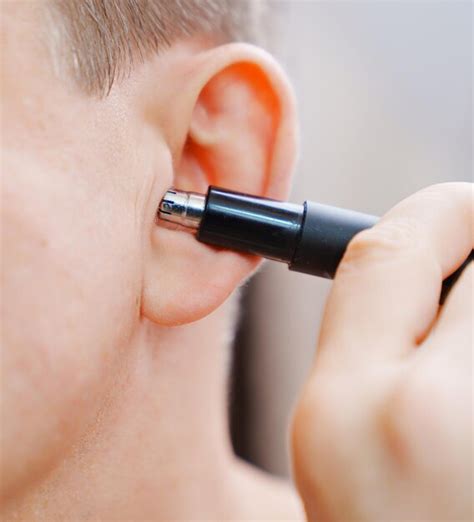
(385, 108)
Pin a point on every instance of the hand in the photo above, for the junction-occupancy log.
(384, 428)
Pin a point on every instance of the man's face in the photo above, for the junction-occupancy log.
(85, 270)
(75, 193)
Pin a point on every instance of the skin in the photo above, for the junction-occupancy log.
(384, 427)
(114, 329)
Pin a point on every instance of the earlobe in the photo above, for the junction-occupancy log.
(240, 133)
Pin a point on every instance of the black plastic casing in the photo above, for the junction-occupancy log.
(310, 238)
(259, 226)
(325, 233)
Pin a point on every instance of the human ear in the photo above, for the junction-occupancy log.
(234, 118)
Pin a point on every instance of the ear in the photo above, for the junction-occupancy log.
(234, 123)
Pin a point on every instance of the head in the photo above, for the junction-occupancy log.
(105, 106)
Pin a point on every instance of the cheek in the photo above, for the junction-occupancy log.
(71, 278)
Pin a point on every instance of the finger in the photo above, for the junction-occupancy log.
(453, 331)
(450, 281)
(385, 294)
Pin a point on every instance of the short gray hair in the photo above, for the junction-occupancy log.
(102, 39)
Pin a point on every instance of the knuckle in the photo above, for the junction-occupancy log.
(303, 416)
(454, 195)
(314, 419)
(408, 415)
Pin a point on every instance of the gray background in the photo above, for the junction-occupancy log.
(385, 106)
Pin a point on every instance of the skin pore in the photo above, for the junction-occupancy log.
(116, 332)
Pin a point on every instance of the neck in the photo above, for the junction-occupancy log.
(159, 448)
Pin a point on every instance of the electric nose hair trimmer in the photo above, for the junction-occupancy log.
(311, 238)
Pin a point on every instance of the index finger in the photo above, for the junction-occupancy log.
(386, 291)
